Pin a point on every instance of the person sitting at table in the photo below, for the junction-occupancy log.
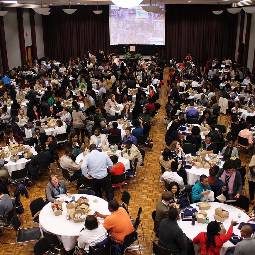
(246, 133)
(118, 168)
(131, 152)
(172, 175)
(138, 130)
(203, 100)
(60, 128)
(129, 137)
(115, 132)
(172, 132)
(92, 233)
(165, 160)
(65, 116)
(126, 112)
(230, 151)
(215, 183)
(247, 245)
(207, 145)
(100, 140)
(176, 151)
(67, 163)
(212, 241)
(232, 182)
(118, 224)
(55, 188)
(38, 139)
(171, 235)
(52, 112)
(191, 111)
(6, 206)
(33, 114)
(201, 191)
(75, 144)
(111, 106)
(22, 117)
(195, 137)
(206, 118)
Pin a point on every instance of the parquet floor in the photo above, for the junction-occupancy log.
(145, 190)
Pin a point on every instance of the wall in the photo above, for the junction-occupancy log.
(251, 44)
(12, 38)
(39, 35)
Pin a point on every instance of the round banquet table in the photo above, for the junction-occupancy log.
(194, 173)
(20, 163)
(235, 214)
(67, 230)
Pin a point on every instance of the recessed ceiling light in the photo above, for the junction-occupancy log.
(189, 1)
(9, 2)
(78, 3)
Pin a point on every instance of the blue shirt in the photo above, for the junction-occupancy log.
(130, 138)
(192, 112)
(6, 80)
(96, 164)
(137, 132)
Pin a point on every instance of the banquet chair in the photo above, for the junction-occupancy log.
(221, 128)
(62, 139)
(189, 148)
(19, 176)
(24, 235)
(242, 142)
(114, 139)
(125, 199)
(118, 180)
(56, 246)
(192, 120)
(35, 207)
(41, 247)
(250, 120)
(102, 248)
(66, 174)
(87, 191)
(160, 250)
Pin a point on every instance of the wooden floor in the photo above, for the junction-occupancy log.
(145, 190)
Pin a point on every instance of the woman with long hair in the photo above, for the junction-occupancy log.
(211, 241)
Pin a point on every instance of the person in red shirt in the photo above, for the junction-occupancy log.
(118, 168)
(211, 241)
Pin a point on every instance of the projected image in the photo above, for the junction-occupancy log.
(136, 26)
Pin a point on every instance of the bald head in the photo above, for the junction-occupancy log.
(246, 231)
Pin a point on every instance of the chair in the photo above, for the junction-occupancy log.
(53, 241)
(102, 248)
(242, 141)
(118, 180)
(250, 120)
(125, 198)
(160, 250)
(62, 138)
(41, 247)
(189, 148)
(138, 218)
(87, 191)
(35, 208)
(193, 120)
(19, 176)
(25, 234)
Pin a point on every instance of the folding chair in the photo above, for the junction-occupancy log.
(189, 148)
(35, 207)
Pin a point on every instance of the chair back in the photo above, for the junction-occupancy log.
(41, 247)
(51, 239)
(160, 250)
(118, 179)
(102, 248)
(189, 148)
(138, 218)
(36, 205)
(87, 191)
(242, 141)
(19, 176)
(129, 239)
(125, 197)
(62, 138)
(114, 139)
(15, 222)
(221, 128)
(192, 120)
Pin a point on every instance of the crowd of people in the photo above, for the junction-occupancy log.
(103, 108)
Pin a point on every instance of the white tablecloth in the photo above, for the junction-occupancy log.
(194, 173)
(245, 114)
(234, 214)
(19, 164)
(67, 230)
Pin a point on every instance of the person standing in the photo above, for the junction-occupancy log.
(95, 167)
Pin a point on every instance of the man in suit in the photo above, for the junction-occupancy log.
(207, 145)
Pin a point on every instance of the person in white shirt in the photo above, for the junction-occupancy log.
(91, 234)
(172, 175)
(60, 128)
(100, 140)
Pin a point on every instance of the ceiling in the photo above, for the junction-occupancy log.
(24, 3)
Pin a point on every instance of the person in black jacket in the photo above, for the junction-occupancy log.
(209, 146)
(195, 137)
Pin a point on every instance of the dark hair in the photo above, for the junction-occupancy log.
(173, 214)
(167, 196)
(171, 184)
(213, 171)
(113, 205)
(203, 177)
(166, 154)
(91, 222)
(92, 147)
(174, 166)
(114, 159)
(115, 124)
(213, 229)
(229, 164)
(67, 150)
(195, 130)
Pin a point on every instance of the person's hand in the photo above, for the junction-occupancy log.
(97, 214)
(237, 196)
(205, 193)
(234, 223)
(68, 194)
